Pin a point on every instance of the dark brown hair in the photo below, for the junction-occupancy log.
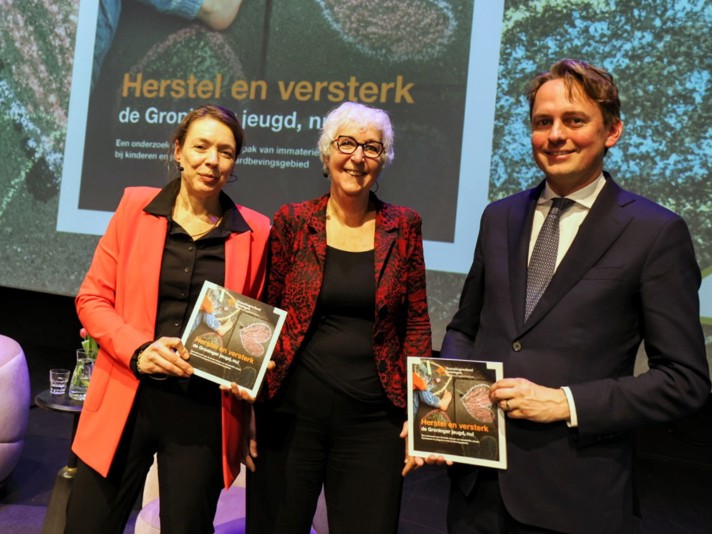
(213, 111)
(594, 82)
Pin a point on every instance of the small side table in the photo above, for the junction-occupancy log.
(56, 519)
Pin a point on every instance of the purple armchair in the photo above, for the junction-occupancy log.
(15, 402)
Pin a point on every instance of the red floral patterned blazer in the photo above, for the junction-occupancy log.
(402, 323)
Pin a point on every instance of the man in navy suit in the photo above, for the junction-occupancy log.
(625, 273)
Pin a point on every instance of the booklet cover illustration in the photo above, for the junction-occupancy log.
(231, 337)
(450, 413)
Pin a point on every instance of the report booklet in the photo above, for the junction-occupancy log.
(231, 337)
(450, 413)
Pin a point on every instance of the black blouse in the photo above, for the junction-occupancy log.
(339, 346)
(186, 264)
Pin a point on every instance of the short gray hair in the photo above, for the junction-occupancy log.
(353, 114)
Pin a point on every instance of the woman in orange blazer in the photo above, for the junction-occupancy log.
(140, 290)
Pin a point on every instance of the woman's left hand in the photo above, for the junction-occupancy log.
(240, 393)
(414, 462)
(411, 462)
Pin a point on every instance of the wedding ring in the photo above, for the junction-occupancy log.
(506, 406)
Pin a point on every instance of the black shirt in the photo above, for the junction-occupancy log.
(339, 346)
(186, 264)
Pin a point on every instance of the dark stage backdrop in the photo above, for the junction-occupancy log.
(451, 73)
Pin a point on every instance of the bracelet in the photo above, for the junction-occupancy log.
(138, 363)
(158, 377)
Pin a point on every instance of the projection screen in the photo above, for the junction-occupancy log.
(77, 128)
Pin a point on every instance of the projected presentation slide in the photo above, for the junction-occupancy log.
(431, 65)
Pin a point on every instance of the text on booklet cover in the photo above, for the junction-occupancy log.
(450, 412)
(231, 337)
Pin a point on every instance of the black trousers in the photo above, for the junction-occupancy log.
(483, 511)
(317, 436)
(186, 435)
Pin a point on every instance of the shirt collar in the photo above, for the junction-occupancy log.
(162, 206)
(585, 196)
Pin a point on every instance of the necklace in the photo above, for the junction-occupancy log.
(206, 232)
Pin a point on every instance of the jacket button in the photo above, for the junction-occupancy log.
(516, 346)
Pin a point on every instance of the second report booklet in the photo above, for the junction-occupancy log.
(231, 337)
(450, 414)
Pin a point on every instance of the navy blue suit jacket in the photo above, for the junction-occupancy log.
(630, 275)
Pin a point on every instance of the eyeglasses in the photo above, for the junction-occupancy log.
(348, 145)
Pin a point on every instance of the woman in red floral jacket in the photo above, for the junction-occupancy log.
(349, 270)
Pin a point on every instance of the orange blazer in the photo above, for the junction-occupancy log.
(118, 301)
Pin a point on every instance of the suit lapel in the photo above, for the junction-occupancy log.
(519, 229)
(151, 231)
(237, 260)
(602, 226)
(309, 258)
(316, 234)
(385, 239)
